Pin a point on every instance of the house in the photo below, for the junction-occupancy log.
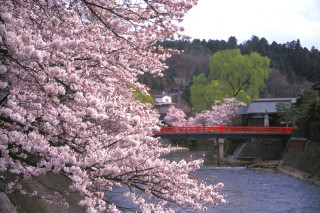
(263, 112)
(317, 87)
(163, 103)
(163, 98)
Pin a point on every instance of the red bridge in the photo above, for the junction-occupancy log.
(224, 132)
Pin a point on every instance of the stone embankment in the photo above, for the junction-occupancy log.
(272, 164)
(302, 162)
(178, 149)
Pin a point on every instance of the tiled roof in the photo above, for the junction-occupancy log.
(242, 110)
(268, 104)
(160, 96)
(316, 87)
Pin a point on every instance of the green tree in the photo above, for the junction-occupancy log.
(155, 84)
(242, 73)
(305, 107)
(203, 92)
(198, 97)
(137, 95)
(232, 42)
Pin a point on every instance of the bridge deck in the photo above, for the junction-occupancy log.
(224, 132)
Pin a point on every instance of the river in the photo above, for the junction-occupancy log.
(256, 190)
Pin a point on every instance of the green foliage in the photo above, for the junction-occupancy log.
(290, 58)
(244, 97)
(143, 98)
(231, 75)
(186, 95)
(245, 73)
(305, 107)
(198, 96)
(155, 83)
(314, 131)
(286, 113)
(170, 73)
(137, 95)
(204, 93)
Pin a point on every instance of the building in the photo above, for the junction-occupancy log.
(317, 87)
(163, 98)
(263, 112)
(163, 103)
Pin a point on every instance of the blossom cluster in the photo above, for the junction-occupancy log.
(65, 106)
(221, 113)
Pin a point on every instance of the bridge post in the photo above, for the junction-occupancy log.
(221, 150)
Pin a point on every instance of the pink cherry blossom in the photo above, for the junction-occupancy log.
(175, 117)
(221, 113)
(65, 106)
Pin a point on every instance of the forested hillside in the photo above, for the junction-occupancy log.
(294, 68)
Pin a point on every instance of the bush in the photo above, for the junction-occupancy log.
(314, 131)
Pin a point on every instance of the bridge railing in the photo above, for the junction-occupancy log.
(221, 129)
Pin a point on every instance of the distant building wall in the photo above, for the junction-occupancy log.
(163, 99)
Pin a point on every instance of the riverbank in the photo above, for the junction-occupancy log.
(298, 174)
(302, 163)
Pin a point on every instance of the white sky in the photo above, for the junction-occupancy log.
(276, 20)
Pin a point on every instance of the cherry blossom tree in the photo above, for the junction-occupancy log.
(221, 113)
(67, 72)
(175, 117)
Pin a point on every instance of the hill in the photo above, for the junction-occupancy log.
(294, 68)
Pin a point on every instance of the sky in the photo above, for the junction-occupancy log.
(276, 20)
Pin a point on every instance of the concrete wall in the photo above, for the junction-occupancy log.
(262, 149)
(307, 160)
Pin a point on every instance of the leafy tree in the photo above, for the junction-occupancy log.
(204, 93)
(198, 97)
(170, 73)
(231, 75)
(278, 86)
(245, 73)
(305, 104)
(155, 83)
(290, 58)
(187, 93)
(68, 110)
(145, 99)
(232, 42)
(286, 113)
(304, 108)
(314, 132)
(145, 80)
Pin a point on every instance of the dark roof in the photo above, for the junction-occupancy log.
(268, 105)
(164, 104)
(316, 86)
(160, 96)
(242, 110)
